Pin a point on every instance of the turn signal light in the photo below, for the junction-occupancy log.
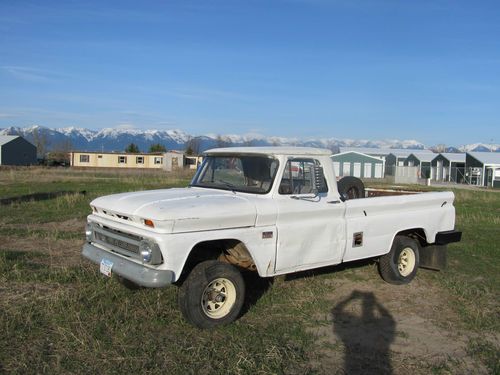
(149, 223)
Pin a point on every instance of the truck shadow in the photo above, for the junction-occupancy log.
(329, 269)
(256, 287)
(367, 330)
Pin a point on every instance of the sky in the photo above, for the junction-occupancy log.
(357, 69)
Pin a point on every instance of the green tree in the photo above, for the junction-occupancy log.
(132, 148)
(157, 148)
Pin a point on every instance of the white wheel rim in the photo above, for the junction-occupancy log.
(218, 298)
(406, 261)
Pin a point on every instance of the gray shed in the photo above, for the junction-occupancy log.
(358, 165)
(449, 166)
(15, 150)
(422, 160)
(483, 168)
(393, 157)
(174, 160)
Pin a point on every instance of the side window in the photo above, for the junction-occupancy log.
(298, 177)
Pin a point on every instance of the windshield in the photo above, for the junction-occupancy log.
(248, 174)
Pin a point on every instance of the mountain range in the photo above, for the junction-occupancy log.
(117, 139)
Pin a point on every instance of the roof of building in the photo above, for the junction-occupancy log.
(378, 159)
(400, 152)
(7, 138)
(454, 157)
(486, 157)
(424, 156)
(270, 151)
(119, 153)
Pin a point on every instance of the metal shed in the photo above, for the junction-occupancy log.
(483, 168)
(358, 165)
(449, 167)
(422, 160)
(393, 157)
(15, 150)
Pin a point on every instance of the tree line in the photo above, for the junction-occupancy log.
(191, 148)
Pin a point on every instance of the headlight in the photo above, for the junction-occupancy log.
(150, 252)
(88, 232)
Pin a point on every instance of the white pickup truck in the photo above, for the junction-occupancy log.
(270, 210)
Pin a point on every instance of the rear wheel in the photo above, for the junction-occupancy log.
(212, 294)
(400, 265)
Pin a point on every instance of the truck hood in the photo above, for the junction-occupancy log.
(188, 209)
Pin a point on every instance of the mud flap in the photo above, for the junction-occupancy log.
(433, 257)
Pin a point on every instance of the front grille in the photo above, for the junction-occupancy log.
(115, 214)
(118, 241)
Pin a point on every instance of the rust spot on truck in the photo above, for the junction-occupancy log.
(239, 256)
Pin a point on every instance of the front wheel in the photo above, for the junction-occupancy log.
(400, 265)
(212, 294)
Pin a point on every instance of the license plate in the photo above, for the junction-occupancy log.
(106, 266)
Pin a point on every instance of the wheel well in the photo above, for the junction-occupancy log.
(416, 233)
(228, 250)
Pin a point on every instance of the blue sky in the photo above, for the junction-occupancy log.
(362, 69)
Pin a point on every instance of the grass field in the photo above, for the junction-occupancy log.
(58, 315)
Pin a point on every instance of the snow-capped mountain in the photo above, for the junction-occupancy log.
(480, 147)
(117, 139)
(107, 139)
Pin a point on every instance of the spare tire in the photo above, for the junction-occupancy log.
(351, 188)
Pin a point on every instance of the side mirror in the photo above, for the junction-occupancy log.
(319, 179)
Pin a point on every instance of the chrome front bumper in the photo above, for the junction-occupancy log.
(137, 273)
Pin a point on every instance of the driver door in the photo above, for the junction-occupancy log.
(311, 229)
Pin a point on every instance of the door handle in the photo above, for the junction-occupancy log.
(333, 202)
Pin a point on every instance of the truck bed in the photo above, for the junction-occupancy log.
(378, 218)
(377, 192)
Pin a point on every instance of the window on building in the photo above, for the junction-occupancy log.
(139, 160)
(99, 156)
(158, 160)
(84, 158)
(122, 160)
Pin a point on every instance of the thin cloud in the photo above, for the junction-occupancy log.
(125, 126)
(30, 74)
(193, 92)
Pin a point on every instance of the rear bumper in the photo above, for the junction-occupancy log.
(137, 273)
(450, 236)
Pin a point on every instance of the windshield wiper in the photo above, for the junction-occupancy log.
(227, 184)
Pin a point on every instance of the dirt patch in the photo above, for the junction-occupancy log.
(374, 327)
(57, 253)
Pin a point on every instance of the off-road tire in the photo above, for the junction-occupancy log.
(223, 280)
(392, 268)
(350, 187)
